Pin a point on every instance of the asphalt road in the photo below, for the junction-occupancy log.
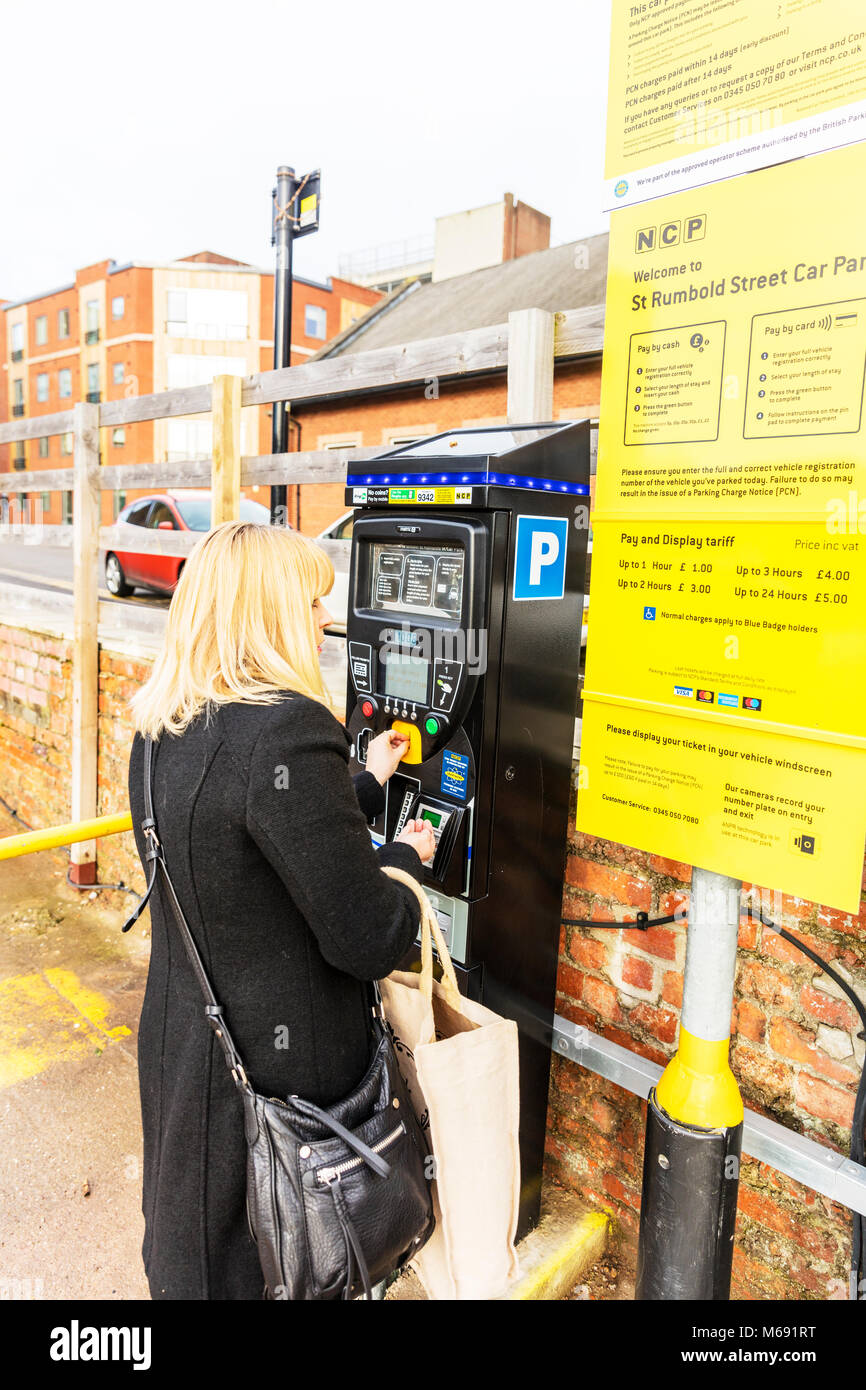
(50, 567)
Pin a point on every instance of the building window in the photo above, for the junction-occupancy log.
(67, 509)
(66, 443)
(315, 321)
(44, 447)
(18, 396)
(42, 386)
(46, 502)
(184, 369)
(117, 307)
(210, 314)
(63, 323)
(117, 373)
(118, 438)
(42, 330)
(64, 381)
(119, 503)
(93, 382)
(91, 322)
(17, 341)
(20, 459)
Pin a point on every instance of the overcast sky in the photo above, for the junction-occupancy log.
(150, 132)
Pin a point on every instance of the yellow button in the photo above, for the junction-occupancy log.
(413, 752)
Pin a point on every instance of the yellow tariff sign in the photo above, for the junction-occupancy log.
(702, 89)
(753, 624)
(735, 350)
(787, 813)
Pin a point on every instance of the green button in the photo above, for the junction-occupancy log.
(431, 725)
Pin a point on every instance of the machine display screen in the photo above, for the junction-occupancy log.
(406, 676)
(420, 580)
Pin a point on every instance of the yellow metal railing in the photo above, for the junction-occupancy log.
(13, 846)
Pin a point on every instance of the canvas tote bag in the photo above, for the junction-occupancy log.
(459, 1061)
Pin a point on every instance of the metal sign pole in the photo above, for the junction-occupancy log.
(283, 237)
(695, 1118)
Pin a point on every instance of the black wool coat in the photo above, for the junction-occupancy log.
(266, 841)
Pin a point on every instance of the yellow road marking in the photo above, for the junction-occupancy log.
(48, 1017)
(568, 1261)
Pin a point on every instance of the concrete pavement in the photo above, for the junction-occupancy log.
(71, 988)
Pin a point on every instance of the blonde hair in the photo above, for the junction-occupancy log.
(240, 626)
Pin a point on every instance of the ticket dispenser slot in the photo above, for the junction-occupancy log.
(470, 645)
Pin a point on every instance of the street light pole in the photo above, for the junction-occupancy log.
(283, 237)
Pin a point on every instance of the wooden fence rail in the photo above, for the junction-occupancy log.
(526, 347)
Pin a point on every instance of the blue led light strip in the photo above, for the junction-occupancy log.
(456, 479)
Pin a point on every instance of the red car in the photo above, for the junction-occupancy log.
(183, 509)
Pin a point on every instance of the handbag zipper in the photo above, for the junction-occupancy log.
(333, 1174)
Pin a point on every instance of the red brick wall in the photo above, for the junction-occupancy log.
(35, 708)
(793, 1048)
(445, 405)
(35, 738)
(793, 1053)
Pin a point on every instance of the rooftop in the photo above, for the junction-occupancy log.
(565, 277)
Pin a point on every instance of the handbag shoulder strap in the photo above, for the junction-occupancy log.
(155, 855)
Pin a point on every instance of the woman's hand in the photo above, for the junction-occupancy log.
(384, 753)
(418, 834)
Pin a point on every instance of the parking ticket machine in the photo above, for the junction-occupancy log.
(463, 632)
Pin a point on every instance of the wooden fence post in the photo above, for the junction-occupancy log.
(226, 468)
(530, 366)
(85, 647)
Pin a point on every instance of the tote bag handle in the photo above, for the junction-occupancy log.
(430, 932)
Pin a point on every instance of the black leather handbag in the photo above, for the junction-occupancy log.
(337, 1199)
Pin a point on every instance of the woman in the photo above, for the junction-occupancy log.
(267, 844)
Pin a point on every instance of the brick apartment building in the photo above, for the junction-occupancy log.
(128, 330)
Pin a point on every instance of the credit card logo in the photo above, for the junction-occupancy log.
(685, 690)
(730, 700)
(751, 702)
(706, 696)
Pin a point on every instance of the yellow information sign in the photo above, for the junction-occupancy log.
(735, 349)
(723, 716)
(703, 89)
(779, 811)
(753, 624)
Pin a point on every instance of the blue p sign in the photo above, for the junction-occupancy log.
(539, 557)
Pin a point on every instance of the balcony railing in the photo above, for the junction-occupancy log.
(18, 409)
(17, 354)
(94, 397)
(91, 336)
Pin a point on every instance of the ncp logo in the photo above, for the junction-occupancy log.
(540, 551)
(671, 233)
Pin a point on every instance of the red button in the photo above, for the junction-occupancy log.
(366, 709)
